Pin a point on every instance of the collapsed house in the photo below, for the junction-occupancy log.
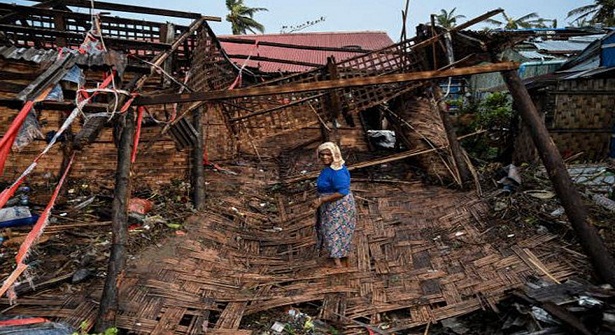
(145, 103)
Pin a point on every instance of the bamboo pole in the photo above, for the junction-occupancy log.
(569, 196)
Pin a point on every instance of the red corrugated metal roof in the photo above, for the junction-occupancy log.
(365, 40)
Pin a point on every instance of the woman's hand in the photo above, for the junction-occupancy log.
(316, 203)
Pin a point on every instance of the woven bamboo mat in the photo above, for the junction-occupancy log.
(419, 256)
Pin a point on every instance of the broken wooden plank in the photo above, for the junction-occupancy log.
(321, 85)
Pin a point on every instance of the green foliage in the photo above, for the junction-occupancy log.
(448, 19)
(85, 325)
(241, 17)
(494, 114)
(495, 111)
(530, 20)
(601, 11)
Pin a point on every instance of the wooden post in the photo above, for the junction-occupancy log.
(119, 224)
(333, 101)
(456, 150)
(60, 25)
(433, 45)
(569, 196)
(198, 171)
(167, 35)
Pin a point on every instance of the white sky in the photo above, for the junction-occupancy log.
(356, 15)
(360, 15)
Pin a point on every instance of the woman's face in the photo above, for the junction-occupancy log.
(326, 157)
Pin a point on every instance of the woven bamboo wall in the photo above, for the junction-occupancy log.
(579, 116)
(160, 163)
(424, 129)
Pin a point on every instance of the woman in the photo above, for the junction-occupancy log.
(335, 206)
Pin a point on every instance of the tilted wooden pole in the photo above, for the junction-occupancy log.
(456, 151)
(119, 225)
(321, 85)
(198, 171)
(332, 103)
(556, 169)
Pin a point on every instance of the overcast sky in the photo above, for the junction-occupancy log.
(357, 15)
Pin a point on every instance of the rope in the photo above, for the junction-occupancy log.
(135, 144)
(35, 233)
(243, 66)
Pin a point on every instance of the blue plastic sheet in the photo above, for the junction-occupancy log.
(45, 328)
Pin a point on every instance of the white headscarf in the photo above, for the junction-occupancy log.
(338, 162)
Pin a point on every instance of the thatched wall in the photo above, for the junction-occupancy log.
(579, 116)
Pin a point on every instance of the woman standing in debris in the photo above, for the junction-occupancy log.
(335, 206)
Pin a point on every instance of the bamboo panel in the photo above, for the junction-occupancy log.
(232, 264)
(579, 120)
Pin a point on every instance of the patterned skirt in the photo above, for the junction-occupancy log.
(335, 225)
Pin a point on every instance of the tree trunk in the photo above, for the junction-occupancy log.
(569, 196)
(109, 301)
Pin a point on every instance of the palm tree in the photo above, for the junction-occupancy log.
(530, 20)
(544, 23)
(241, 18)
(448, 19)
(579, 23)
(602, 11)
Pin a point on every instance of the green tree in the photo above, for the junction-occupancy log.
(601, 11)
(241, 18)
(579, 23)
(530, 20)
(448, 19)
(546, 23)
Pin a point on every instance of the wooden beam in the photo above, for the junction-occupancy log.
(321, 85)
(50, 77)
(570, 198)
(456, 150)
(55, 105)
(109, 306)
(74, 35)
(274, 60)
(98, 5)
(59, 22)
(197, 155)
(31, 10)
(236, 40)
(378, 161)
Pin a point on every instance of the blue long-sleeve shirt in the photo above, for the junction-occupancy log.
(332, 181)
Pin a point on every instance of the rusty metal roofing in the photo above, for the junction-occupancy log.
(35, 55)
(28, 54)
(365, 40)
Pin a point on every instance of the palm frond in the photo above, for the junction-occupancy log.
(582, 10)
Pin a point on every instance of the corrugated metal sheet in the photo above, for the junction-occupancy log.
(561, 46)
(367, 40)
(535, 55)
(28, 54)
(109, 58)
(586, 38)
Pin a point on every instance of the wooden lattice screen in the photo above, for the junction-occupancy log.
(51, 28)
(269, 115)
